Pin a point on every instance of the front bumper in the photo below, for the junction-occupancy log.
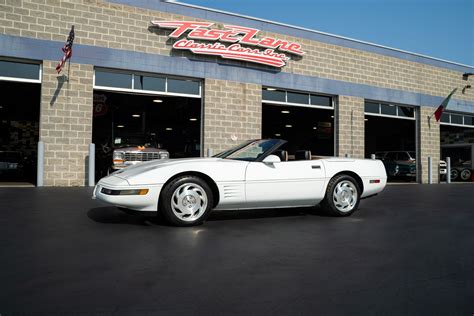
(147, 202)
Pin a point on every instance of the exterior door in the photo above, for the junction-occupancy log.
(287, 183)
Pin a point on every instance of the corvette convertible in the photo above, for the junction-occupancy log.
(255, 174)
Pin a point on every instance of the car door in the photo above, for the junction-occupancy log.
(286, 183)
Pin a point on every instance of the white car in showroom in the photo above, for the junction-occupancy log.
(256, 174)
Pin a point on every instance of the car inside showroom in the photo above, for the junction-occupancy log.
(19, 122)
(457, 142)
(305, 120)
(141, 117)
(390, 135)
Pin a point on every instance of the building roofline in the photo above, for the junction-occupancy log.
(209, 14)
(315, 31)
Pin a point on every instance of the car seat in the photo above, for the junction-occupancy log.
(303, 155)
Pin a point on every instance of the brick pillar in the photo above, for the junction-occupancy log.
(66, 123)
(349, 114)
(428, 138)
(232, 113)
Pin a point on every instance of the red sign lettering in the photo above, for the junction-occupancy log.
(274, 53)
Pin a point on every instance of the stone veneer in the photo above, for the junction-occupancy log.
(349, 123)
(104, 24)
(428, 139)
(232, 113)
(232, 110)
(66, 123)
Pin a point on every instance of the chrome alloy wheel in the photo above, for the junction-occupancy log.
(345, 196)
(189, 202)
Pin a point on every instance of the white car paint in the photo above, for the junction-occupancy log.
(242, 184)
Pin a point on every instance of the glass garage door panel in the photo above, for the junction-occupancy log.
(113, 79)
(150, 83)
(19, 70)
(183, 86)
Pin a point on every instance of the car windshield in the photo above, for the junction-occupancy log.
(249, 151)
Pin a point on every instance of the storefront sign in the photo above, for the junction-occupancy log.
(231, 42)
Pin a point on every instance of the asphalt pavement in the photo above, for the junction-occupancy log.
(407, 251)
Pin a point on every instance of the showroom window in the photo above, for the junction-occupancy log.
(391, 110)
(149, 111)
(20, 71)
(304, 119)
(20, 82)
(390, 135)
(116, 80)
(278, 96)
(457, 119)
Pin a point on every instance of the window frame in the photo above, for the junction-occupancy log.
(22, 61)
(309, 105)
(148, 92)
(463, 115)
(398, 106)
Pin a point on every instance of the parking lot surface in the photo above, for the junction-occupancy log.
(409, 250)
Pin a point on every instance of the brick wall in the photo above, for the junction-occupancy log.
(350, 127)
(232, 113)
(117, 26)
(66, 123)
(428, 144)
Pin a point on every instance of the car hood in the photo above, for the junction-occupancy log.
(136, 149)
(157, 164)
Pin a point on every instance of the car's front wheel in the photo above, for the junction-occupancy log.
(186, 201)
(342, 196)
(454, 174)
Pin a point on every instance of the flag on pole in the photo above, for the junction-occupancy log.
(443, 106)
(67, 50)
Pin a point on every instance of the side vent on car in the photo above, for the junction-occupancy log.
(232, 191)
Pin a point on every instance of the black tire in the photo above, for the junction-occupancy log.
(454, 174)
(329, 205)
(465, 175)
(166, 196)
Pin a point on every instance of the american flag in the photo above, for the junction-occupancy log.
(67, 50)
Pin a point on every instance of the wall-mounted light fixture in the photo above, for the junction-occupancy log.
(466, 75)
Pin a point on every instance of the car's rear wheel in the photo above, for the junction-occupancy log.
(465, 175)
(186, 201)
(342, 196)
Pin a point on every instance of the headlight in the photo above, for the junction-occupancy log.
(164, 155)
(117, 157)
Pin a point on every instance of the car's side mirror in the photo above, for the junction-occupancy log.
(271, 159)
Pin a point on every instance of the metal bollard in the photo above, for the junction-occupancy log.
(91, 181)
(210, 152)
(40, 166)
(372, 156)
(448, 169)
(430, 170)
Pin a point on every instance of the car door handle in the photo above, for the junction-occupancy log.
(316, 167)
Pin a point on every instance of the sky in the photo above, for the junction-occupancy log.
(438, 28)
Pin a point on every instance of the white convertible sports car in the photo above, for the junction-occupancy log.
(256, 174)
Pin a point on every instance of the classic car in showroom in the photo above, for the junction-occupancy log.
(129, 150)
(255, 174)
(399, 164)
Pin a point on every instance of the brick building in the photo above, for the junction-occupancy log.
(129, 77)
